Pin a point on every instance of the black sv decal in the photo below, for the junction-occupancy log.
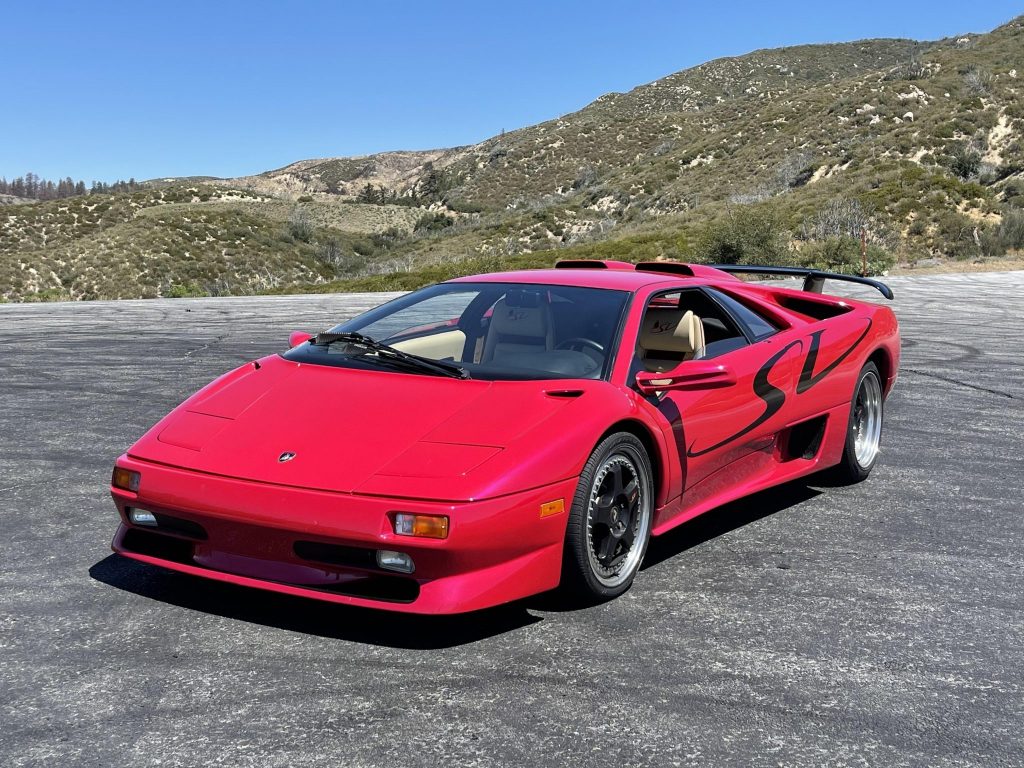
(807, 378)
(773, 397)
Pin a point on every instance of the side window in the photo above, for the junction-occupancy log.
(759, 327)
(668, 335)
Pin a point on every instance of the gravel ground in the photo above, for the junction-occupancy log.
(880, 624)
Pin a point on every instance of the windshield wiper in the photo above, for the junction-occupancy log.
(389, 353)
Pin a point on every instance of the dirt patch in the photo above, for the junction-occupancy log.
(1012, 262)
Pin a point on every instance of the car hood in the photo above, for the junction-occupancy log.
(348, 430)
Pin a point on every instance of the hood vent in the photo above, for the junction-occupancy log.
(564, 393)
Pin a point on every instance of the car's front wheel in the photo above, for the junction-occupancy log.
(610, 521)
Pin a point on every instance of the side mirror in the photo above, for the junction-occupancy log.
(689, 375)
(298, 337)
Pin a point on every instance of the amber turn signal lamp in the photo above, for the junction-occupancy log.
(125, 479)
(424, 526)
(549, 508)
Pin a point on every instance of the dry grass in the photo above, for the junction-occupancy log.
(788, 136)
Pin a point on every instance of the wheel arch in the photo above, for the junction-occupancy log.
(645, 435)
(883, 361)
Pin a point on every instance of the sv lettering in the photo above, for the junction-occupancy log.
(773, 397)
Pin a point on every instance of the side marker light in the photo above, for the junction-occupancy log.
(549, 508)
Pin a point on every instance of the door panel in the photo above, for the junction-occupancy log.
(721, 426)
(726, 436)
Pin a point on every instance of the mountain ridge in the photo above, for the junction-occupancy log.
(444, 157)
(776, 155)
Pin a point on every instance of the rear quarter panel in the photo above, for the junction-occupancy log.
(820, 371)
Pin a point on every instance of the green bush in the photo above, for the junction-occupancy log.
(463, 206)
(955, 236)
(388, 238)
(842, 254)
(1007, 236)
(1013, 193)
(1011, 229)
(433, 222)
(49, 294)
(745, 236)
(363, 246)
(184, 290)
(964, 160)
(299, 225)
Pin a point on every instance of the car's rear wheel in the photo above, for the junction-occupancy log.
(864, 431)
(610, 521)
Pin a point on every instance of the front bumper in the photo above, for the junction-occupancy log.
(323, 545)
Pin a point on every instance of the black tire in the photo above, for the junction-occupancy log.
(859, 457)
(608, 528)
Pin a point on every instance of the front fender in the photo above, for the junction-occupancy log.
(554, 449)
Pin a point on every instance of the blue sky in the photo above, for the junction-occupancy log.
(106, 90)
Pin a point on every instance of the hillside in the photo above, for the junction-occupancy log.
(778, 155)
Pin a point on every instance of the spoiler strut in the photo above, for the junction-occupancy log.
(814, 279)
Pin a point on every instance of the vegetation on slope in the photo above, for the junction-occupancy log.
(780, 156)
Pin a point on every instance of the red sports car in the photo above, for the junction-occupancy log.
(497, 436)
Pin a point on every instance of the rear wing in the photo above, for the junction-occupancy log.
(814, 280)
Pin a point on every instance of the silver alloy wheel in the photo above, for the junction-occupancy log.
(618, 516)
(867, 420)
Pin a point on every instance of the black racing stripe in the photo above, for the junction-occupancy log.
(807, 376)
(773, 397)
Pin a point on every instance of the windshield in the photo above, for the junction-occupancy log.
(494, 331)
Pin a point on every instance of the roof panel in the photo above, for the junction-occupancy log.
(620, 279)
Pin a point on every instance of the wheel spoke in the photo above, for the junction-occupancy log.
(628, 536)
(616, 475)
(632, 493)
(606, 549)
(601, 514)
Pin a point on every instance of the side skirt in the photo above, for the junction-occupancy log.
(783, 468)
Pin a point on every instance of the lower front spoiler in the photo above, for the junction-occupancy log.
(523, 576)
(324, 545)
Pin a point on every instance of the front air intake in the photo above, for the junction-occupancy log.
(158, 545)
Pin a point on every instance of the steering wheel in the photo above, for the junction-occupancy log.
(579, 343)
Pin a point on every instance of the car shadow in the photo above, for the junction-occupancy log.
(312, 617)
(693, 533)
(408, 631)
(726, 518)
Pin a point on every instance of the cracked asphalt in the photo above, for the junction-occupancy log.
(879, 624)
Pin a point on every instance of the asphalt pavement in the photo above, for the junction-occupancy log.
(880, 624)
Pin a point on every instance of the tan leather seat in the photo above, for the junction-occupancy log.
(668, 337)
(520, 322)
